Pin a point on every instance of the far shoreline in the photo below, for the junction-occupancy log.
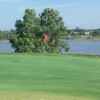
(4, 40)
(80, 39)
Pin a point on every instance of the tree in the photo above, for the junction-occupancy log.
(23, 38)
(95, 32)
(28, 36)
(79, 31)
(5, 35)
(53, 25)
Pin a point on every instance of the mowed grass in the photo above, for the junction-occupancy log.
(39, 77)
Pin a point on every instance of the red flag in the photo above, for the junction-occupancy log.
(46, 37)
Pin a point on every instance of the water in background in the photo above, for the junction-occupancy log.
(76, 47)
(84, 47)
(5, 47)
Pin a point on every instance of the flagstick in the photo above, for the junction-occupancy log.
(43, 54)
(46, 38)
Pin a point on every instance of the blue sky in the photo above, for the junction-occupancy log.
(76, 13)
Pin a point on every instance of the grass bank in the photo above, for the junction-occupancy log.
(49, 77)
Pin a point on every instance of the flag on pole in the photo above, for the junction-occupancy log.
(46, 40)
(46, 37)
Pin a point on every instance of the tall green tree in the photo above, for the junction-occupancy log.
(23, 39)
(52, 24)
(28, 36)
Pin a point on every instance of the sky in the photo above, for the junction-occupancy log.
(75, 13)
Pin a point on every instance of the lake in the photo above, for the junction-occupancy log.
(76, 47)
(84, 47)
(5, 47)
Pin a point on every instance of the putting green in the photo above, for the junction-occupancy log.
(49, 77)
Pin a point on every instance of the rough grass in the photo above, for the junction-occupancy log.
(38, 77)
(7, 95)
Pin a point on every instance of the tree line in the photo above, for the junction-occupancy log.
(83, 32)
(5, 35)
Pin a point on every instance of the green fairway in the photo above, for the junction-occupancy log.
(38, 77)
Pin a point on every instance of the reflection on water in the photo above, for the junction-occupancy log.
(76, 47)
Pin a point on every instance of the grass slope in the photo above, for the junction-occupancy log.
(38, 77)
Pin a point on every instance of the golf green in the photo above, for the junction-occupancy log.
(49, 77)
